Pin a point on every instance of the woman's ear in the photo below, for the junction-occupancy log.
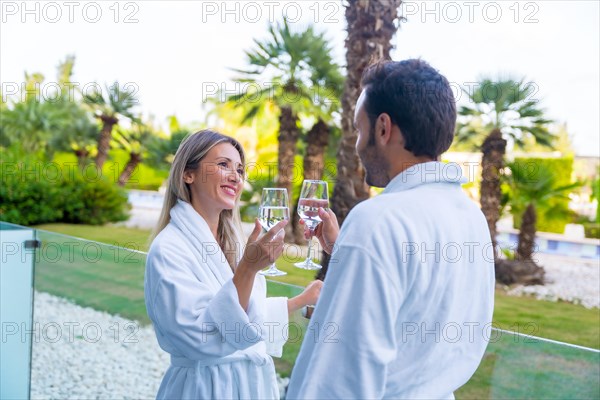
(188, 177)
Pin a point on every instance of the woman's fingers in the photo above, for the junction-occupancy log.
(255, 232)
(275, 230)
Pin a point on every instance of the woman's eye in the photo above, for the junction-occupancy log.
(240, 171)
(222, 164)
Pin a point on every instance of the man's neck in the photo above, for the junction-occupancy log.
(404, 163)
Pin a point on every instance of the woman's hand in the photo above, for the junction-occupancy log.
(308, 297)
(327, 231)
(311, 293)
(260, 252)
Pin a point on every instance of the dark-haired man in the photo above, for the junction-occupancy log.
(406, 309)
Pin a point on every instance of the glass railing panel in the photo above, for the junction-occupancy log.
(17, 253)
(525, 367)
(12, 227)
(92, 336)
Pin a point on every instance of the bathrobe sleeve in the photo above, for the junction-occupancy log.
(276, 324)
(198, 321)
(351, 338)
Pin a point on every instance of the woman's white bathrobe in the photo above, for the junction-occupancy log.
(217, 349)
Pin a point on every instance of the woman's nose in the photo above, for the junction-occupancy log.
(233, 177)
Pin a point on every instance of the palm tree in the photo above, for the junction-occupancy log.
(161, 148)
(285, 60)
(79, 137)
(4, 141)
(371, 26)
(282, 58)
(505, 109)
(79, 133)
(109, 109)
(596, 196)
(32, 122)
(529, 190)
(326, 83)
(134, 141)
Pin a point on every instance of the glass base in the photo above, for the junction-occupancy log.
(272, 271)
(308, 264)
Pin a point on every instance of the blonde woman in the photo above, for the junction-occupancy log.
(203, 292)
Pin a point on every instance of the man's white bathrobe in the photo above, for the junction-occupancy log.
(217, 349)
(407, 304)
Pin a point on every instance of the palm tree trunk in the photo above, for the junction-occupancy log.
(82, 157)
(288, 139)
(314, 163)
(371, 26)
(527, 234)
(108, 122)
(492, 162)
(134, 161)
(523, 269)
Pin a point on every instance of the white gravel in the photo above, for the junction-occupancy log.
(574, 280)
(81, 353)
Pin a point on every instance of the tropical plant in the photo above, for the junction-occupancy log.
(134, 141)
(80, 133)
(530, 189)
(327, 82)
(109, 107)
(371, 26)
(596, 196)
(161, 147)
(30, 121)
(295, 65)
(281, 60)
(502, 109)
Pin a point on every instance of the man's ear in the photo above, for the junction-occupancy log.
(383, 129)
(188, 177)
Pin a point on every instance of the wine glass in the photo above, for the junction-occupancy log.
(314, 195)
(274, 207)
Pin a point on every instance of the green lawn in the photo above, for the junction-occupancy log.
(110, 278)
(137, 239)
(560, 321)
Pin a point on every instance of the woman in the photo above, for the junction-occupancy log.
(207, 303)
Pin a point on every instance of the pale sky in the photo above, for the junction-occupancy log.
(176, 52)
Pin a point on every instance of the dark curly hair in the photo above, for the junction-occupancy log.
(418, 100)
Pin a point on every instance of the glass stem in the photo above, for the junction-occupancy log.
(310, 241)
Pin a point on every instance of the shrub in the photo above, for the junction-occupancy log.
(28, 202)
(93, 202)
(33, 192)
(592, 230)
(556, 214)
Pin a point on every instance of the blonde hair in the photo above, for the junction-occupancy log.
(188, 156)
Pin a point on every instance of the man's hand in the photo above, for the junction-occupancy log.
(327, 231)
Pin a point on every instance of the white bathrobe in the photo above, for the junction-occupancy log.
(407, 304)
(217, 349)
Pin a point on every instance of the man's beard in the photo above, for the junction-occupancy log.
(376, 166)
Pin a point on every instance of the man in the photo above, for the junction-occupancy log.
(406, 309)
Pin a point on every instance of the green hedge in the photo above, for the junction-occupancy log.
(592, 230)
(144, 177)
(36, 192)
(555, 220)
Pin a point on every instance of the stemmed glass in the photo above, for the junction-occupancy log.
(314, 195)
(274, 207)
